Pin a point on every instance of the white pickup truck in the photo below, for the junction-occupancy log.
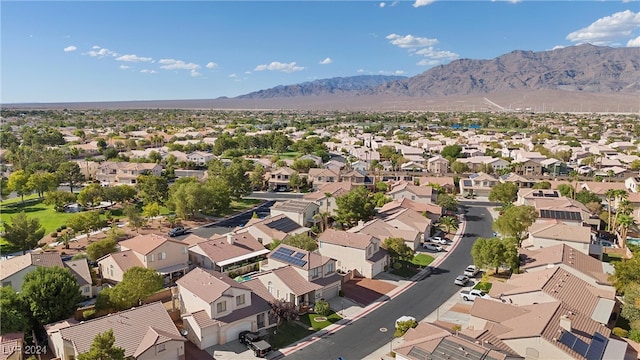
(471, 295)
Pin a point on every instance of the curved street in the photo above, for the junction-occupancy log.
(362, 337)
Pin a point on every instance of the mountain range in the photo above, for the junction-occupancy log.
(584, 78)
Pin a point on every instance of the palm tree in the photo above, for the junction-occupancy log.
(625, 222)
(620, 196)
(65, 237)
(448, 223)
(610, 195)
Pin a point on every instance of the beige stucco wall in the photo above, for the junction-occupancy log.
(18, 278)
(105, 266)
(175, 255)
(172, 351)
(191, 303)
(545, 349)
(348, 258)
(279, 289)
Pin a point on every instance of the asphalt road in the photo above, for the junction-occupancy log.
(362, 337)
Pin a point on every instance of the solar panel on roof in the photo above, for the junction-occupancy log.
(285, 255)
(418, 353)
(284, 250)
(285, 225)
(597, 347)
(574, 343)
(562, 215)
(299, 255)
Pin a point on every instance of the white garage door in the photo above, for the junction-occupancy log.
(330, 292)
(234, 330)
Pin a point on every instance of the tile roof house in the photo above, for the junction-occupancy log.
(600, 188)
(279, 178)
(320, 177)
(409, 219)
(125, 172)
(145, 332)
(354, 252)
(546, 233)
(479, 184)
(216, 308)
(545, 331)
(272, 228)
(556, 284)
(383, 230)
(12, 271)
(228, 253)
(438, 165)
(566, 257)
(301, 211)
(434, 212)
(432, 341)
(328, 203)
(299, 276)
(405, 190)
(445, 182)
(168, 256)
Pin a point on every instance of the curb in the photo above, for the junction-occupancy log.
(340, 324)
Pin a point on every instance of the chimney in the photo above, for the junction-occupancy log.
(230, 238)
(565, 322)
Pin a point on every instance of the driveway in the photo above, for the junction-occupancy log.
(365, 291)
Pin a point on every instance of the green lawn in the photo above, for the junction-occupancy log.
(309, 320)
(287, 333)
(49, 218)
(422, 260)
(17, 200)
(406, 270)
(484, 286)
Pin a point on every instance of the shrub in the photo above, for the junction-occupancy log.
(634, 335)
(54, 234)
(404, 326)
(89, 314)
(618, 331)
(322, 308)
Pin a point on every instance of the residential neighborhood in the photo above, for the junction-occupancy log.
(293, 226)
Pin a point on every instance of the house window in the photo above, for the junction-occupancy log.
(260, 320)
(240, 300)
(162, 255)
(111, 270)
(314, 273)
(161, 347)
(330, 268)
(413, 197)
(221, 307)
(87, 289)
(270, 287)
(150, 258)
(184, 249)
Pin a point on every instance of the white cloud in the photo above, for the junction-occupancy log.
(558, 47)
(326, 61)
(172, 64)
(134, 58)
(148, 71)
(125, 67)
(100, 52)
(398, 72)
(427, 62)
(70, 48)
(419, 3)
(608, 30)
(278, 66)
(382, 5)
(360, 71)
(195, 73)
(211, 65)
(410, 41)
(634, 42)
(233, 76)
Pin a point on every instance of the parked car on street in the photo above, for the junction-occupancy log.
(177, 231)
(471, 271)
(432, 247)
(471, 295)
(461, 280)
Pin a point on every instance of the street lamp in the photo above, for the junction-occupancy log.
(384, 331)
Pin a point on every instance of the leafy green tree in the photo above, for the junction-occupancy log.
(626, 272)
(23, 232)
(59, 199)
(542, 185)
(504, 193)
(52, 293)
(283, 310)
(451, 151)
(586, 196)
(447, 202)
(295, 181)
(42, 182)
(101, 248)
(354, 206)
(219, 196)
(322, 307)
(631, 303)
(120, 194)
(494, 252)
(398, 249)
(515, 221)
(134, 216)
(566, 190)
(404, 326)
(379, 199)
(151, 210)
(257, 177)
(136, 285)
(448, 223)
(19, 182)
(5, 190)
(459, 167)
(13, 312)
(301, 241)
(103, 348)
(69, 172)
(85, 222)
(152, 188)
(91, 195)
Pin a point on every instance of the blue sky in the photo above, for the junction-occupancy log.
(155, 50)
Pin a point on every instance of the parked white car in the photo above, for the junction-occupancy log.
(471, 271)
(461, 280)
(432, 247)
(439, 240)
